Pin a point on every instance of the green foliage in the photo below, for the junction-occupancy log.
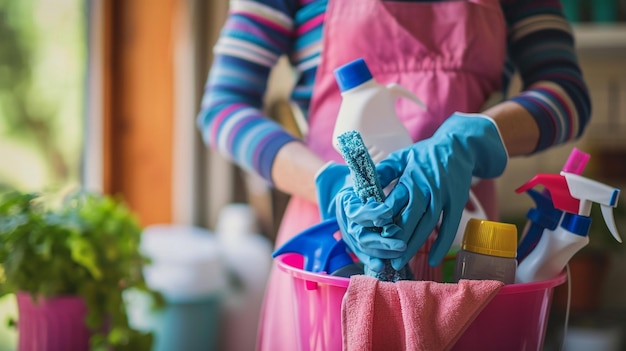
(42, 91)
(86, 245)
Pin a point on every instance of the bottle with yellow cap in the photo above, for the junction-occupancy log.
(488, 252)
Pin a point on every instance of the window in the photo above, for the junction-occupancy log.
(42, 73)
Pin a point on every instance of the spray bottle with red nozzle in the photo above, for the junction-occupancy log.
(545, 215)
(573, 195)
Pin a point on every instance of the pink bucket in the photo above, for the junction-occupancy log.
(515, 319)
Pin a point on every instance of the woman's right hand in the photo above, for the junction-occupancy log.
(367, 228)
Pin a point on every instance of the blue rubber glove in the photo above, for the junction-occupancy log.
(368, 229)
(329, 180)
(434, 178)
(334, 185)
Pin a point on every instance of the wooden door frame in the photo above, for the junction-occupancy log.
(149, 62)
(137, 108)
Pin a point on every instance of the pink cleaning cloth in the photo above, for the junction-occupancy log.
(410, 315)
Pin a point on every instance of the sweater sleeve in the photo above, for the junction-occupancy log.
(255, 34)
(541, 46)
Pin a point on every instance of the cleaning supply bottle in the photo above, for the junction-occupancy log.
(369, 108)
(544, 215)
(574, 195)
(248, 257)
(487, 252)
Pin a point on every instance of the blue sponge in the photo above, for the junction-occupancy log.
(367, 185)
(354, 152)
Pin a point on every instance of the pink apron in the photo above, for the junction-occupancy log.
(450, 54)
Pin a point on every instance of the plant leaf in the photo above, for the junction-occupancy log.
(84, 254)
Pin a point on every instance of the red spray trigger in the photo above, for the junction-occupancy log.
(559, 191)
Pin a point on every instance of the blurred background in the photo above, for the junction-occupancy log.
(43, 68)
(43, 61)
(104, 94)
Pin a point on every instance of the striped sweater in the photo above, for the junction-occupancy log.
(257, 32)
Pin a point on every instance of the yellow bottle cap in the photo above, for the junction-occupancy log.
(490, 238)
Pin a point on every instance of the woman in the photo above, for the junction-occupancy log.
(452, 54)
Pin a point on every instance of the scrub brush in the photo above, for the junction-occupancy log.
(366, 185)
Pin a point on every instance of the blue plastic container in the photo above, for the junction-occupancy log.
(187, 325)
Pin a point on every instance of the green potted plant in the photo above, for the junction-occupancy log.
(82, 250)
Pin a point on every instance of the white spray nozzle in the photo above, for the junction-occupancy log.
(589, 191)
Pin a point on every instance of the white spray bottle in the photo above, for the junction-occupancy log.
(369, 108)
(574, 195)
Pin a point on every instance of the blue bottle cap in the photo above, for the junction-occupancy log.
(352, 74)
(577, 224)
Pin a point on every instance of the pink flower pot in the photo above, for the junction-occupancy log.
(52, 324)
